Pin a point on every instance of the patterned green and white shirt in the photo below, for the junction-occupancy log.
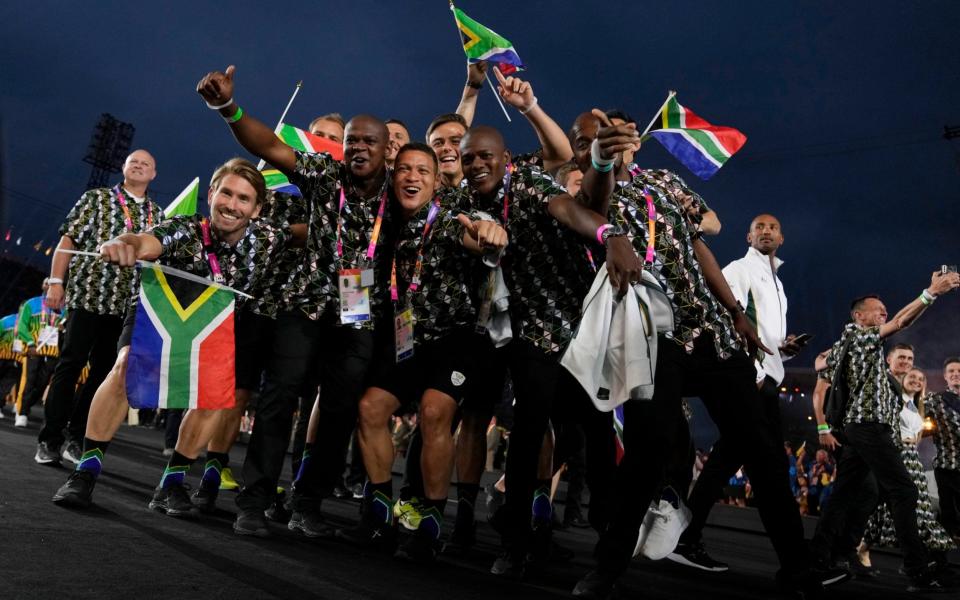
(97, 217)
(944, 409)
(281, 289)
(871, 397)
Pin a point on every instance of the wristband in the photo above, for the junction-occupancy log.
(600, 231)
(927, 298)
(533, 104)
(236, 116)
(224, 105)
(54, 280)
(600, 163)
(823, 428)
(476, 86)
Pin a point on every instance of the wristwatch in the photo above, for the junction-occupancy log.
(610, 232)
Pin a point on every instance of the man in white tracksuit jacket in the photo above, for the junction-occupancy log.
(753, 280)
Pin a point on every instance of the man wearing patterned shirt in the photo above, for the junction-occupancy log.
(869, 448)
(333, 322)
(242, 253)
(434, 357)
(944, 409)
(703, 356)
(96, 296)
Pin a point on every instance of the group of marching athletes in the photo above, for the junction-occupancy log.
(414, 277)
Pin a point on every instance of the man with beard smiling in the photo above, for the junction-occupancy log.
(547, 274)
(227, 245)
(344, 261)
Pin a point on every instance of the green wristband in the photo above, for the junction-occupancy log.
(236, 116)
(825, 428)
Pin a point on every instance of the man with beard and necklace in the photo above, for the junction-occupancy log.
(703, 356)
(546, 271)
(228, 248)
(331, 330)
(433, 359)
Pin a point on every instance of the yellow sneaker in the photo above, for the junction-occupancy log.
(227, 482)
(407, 513)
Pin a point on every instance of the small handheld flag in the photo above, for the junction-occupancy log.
(481, 43)
(701, 147)
(186, 202)
(303, 141)
(182, 347)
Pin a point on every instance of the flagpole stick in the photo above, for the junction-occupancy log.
(276, 129)
(659, 112)
(497, 95)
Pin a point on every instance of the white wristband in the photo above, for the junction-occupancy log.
(928, 296)
(224, 105)
(53, 280)
(524, 111)
(595, 155)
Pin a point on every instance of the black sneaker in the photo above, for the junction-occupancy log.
(544, 549)
(277, 511)
(174, 501)
(205, 498)
(311, 524)
(929, 583)
(251, 522)
(72, 452)
(77, 492)
(695, 555)
(595, 586)
(462, 539)
(340, 492)
(420, 547)
(377, 536)
(47, 454)
(510, 565)
(851, 563)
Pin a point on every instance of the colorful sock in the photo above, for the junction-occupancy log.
(542, 510)
(216, 462)
(176, 470)
(304, 462)
(379, 499)
(431, 517)
(670, 495)
(92, 458)
(466, 500)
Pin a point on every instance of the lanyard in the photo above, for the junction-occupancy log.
(418, 265)
(126, 211)
(651, 226)
(378, 222)
(506, 193)
(208, 250)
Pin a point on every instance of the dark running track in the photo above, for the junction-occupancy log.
(119, 549)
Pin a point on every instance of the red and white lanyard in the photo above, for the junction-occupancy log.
(208, 251)
(126, 211)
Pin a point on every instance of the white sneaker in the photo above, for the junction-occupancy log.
(20, 421)
(644, 529)
(664, 534)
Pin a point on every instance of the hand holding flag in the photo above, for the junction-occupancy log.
(613, 140)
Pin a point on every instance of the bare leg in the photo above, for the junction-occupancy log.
(228, 428)
(109, 405)
(376, 443)
(436, 461)
(196, 430)
(314, 421)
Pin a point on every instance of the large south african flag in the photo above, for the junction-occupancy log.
(482, 43)
(701, 147)
(304, 141)
(182, 349)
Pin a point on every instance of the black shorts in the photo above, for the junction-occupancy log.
(251, 341)
(459, 365)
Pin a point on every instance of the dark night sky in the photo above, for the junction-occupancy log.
(843, 103)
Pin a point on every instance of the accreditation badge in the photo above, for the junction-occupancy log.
(354, 296)
(403, 334)
(49, 336)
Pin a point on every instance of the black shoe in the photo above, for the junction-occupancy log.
(809, 584)
(311, 524)
(340, 492)
(576, 521)
(72, 452)
(509, 565)
(251, 522)
(544, 549)
(377, 536)
(277, 511)
(595, 586)
(356, 490)
(47, 454)
(205, 498)
(928, 582)
(695, 555)
(462, 539)
(420, 547)
(174, 501)
(77, 492)
(851, 563)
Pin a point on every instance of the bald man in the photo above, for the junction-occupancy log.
(328, 329)
(96, 296)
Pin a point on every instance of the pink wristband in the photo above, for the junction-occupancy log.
(600, 231)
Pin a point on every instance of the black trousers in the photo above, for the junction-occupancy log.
(37, 376)
(948, 486)
(88, 337)
(870, 459)
(729, 392)
(725, 459)
(543, 389)
(571, 449)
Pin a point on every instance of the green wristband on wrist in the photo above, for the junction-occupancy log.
(236, 116)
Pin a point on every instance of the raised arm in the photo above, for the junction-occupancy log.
(216, 89)
(940, 283)
(476, 73)
(519, 94)
(611, 140)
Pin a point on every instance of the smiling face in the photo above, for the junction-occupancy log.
(484, 159)
(765, 235)
(232, 204)
(414, 179)
(914, 381)
(900, 361)
(139, 168)
(951, 374)
(398, 137)
(445, 141)
(364, 147)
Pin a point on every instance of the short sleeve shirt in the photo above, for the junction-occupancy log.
(675, 266)
(944, 409)
(92, 284)
(872, 399)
